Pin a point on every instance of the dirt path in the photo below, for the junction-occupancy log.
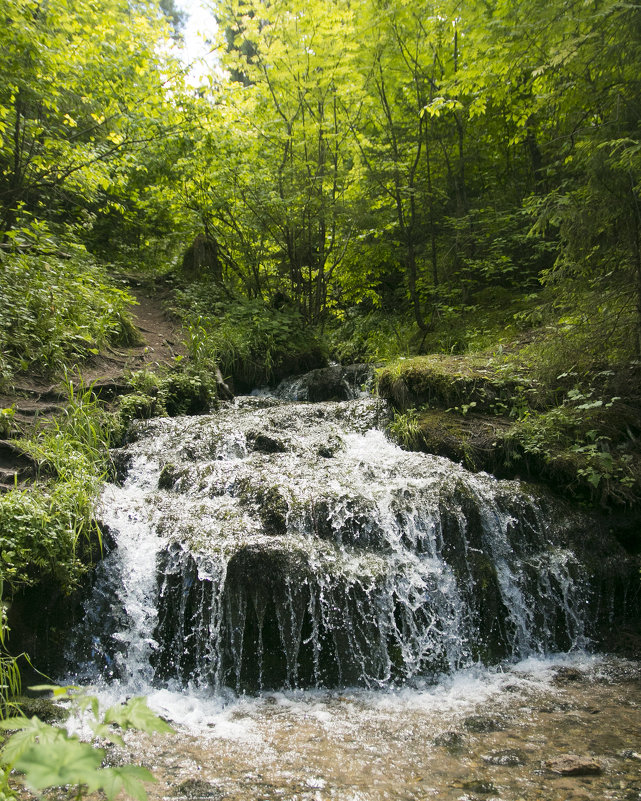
(161, 341)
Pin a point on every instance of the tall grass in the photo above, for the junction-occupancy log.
(48, 531)
(55, 311)
(10, 679)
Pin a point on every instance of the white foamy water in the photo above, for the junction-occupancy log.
(322, 615)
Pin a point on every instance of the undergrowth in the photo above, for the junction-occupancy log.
(55, 311)
(568, 395)
(191, 390)
(250, 341)
(373, 336)
(48, 531)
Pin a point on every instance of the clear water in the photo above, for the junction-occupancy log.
(406, 745)
(322, 616)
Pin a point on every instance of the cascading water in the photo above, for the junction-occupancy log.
(283, 544)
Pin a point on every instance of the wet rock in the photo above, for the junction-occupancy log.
(508, 757)
(330, 448)
(483, 723)
(567, 675)
(264, 443)
(273, 511)
(335, 383)
(481, 786)
(194, 789)
(168, 477)
(43, 708)
(452, 740)
(573, 765)
(630, 754)
(121, 459)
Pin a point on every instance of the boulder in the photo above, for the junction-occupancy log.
(573, 765)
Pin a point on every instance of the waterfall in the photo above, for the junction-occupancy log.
(280, 544)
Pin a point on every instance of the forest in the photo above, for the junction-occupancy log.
(450, 191)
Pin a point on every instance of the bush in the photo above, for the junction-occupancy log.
(251, 341)
(54, 311)
(48, 531)
(372, 336)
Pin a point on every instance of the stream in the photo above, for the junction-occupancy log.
(323, 615)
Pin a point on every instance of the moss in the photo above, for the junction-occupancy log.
(479, 442)
(454, 382)
(581, 439)
(43, 708)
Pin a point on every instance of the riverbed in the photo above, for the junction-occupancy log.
(480, 734)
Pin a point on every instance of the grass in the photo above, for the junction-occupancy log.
(567, 398)
(56, 311)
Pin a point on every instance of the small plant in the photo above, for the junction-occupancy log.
(405, 428)
(10, 679)
(7, 424)
(47, 756)
(145, 382)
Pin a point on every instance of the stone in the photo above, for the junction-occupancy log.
(202, 259)
(482, 723)
(335, 383)
(44, 708)
(262, 443)
(508, 757)
(452, 740)
(574, 765)
(566, 675)
(482, 786)
(194, 789)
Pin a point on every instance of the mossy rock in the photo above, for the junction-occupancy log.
(272, 510)
(476, 441)
(43, 708)
(263, 443)
(451, 382)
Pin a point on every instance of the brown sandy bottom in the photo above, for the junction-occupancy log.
(479, 735)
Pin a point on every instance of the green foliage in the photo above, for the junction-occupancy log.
(47, 756)
(405, 428)
(54, 311)
(374, 336)
(49, 530)
(250, 340)
(190, 389)
(40, 532)
(10, 678)
(588, 440)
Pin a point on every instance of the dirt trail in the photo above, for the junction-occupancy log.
(161, 341)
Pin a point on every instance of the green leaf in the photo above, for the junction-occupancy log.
(127, 779)
(27, 731)
(135, 714)
(62, 761)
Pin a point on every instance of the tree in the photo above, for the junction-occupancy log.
(82, 89)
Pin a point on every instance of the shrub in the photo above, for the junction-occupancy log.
(55, 310)
(250, 340)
